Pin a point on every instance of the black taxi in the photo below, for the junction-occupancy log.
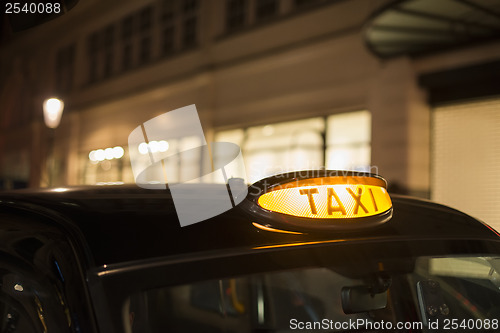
(302, 252)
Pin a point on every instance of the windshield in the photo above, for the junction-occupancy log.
(452, 292)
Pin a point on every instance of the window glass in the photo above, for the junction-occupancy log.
(339, 142)
(168, 19)
(306, 3)
(349, 141)
(145, 49)
(266, 9)
(461, 288)
(39, 281)
(145, 19)
(127, 27)
(299, 145)
(282, 147)
(65, 64)
(189, 6)
(235, 14)
(189, 35)
(168, 40)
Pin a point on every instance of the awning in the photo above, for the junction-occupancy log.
(423, 26)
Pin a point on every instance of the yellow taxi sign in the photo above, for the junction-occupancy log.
(339, 201)
(323, 201)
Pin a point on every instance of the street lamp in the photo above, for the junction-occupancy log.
(52, 113)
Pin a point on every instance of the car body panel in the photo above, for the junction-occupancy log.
(120, 240)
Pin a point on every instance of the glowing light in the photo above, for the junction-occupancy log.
(18, 287)
(163, 146)
(109, 153)
(100, 155)
(154, 146)
(59, 189)
(52, 112)
(266, 228)
(299, 244)
(109, 183)
(329, 198)
(143, 148)
(118, 152)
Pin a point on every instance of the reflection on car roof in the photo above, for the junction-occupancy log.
(126, 223)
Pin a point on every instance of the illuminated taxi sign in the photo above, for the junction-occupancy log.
(323, 201)
(328, 198)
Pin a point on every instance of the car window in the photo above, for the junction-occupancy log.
(464, 289)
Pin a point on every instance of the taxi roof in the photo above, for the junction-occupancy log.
(125, 223)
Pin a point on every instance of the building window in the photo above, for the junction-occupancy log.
(348, 141)
(306, 3)
(127, 30)
(101, 53)
(65, 63)
(190, 23)
(93, 54)
(189, 6)
(145, 19)
(168, 40)
(341, 141)
(145, 25)
(179, 25)
(168, 30)
(235, 14)
(278, 148)
(127, 27)
(127, 56)
(167, 12)
(109, 38)
(246, 13)
(132, 40)
(145, 50)
(189, 29)
(265, 9)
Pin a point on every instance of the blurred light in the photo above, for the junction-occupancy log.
(18, 287)
(106, 154)
(143, 148)
(52, 112)
(109, 153)
(154, 146)
(59, 189)
(118, 152)
(163, 146)
(109, 183)
(100, 155)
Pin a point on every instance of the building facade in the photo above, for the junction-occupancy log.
(292, 82)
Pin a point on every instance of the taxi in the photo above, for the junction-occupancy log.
(324, 250)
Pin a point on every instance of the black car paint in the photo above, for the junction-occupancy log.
(114, 241)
